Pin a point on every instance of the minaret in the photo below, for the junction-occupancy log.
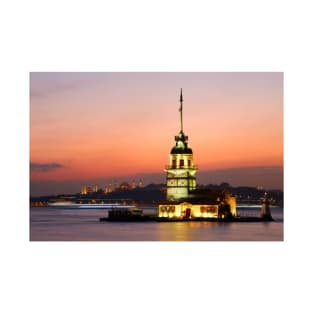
(84, 190)
(181, 172)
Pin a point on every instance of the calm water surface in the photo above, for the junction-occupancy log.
(56, 224)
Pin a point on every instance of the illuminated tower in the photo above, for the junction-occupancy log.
(181, 171)
(84, 190)
(265, 208)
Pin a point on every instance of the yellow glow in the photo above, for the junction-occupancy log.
(196, 213)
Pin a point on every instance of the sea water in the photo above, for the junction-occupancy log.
(59, 224)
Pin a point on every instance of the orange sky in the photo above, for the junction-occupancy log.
(95, 125)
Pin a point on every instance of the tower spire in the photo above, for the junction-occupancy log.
(181, 110)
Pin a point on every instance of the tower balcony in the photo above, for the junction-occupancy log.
(186, 167)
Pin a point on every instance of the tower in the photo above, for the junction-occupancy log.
(140, 183)
(265, 208)
(181, 171)
(83, 190)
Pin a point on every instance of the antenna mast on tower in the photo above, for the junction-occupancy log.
(181, 110)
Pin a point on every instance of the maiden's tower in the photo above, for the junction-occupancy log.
(184, 200)
(181, 171)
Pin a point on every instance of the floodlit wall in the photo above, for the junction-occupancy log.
(181, 176)
(180, 210)
(177, 192)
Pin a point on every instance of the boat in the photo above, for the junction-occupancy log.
(75, 205)
(126, 214)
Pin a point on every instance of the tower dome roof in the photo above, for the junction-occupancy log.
(185, 150)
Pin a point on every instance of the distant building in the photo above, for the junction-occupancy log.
(108, 189)
(125, 186)
(114, 186)
(184, 200)
(84, 190)
(88, 189)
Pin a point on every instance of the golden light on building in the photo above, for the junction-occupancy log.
(84, 190)
(88, 189)
(181, 171)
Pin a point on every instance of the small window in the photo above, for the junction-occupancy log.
(181, 163)
(189, 163)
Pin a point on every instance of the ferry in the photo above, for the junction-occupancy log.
(125, 213)
(74, 205)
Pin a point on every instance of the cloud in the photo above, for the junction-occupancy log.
(44, 167)
(50, 83)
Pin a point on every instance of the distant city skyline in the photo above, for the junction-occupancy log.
(267, 177)
(86, 127)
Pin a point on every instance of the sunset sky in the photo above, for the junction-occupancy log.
(93, 126)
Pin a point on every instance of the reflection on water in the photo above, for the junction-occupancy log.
(50, 224)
